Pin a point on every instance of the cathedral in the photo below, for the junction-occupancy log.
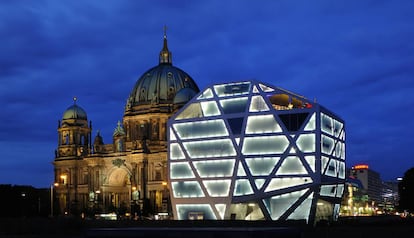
(128, 176)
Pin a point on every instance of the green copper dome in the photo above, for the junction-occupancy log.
(74, 112)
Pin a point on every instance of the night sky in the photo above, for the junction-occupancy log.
(356, 58)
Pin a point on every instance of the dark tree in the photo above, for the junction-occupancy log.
(406, 191)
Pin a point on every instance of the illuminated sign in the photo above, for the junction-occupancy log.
(361, 166)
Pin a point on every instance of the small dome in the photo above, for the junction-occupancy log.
(98, 139)
(184, 95)
(75, 112)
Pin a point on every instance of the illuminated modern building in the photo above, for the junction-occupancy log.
(251, 151)
(371, 181)
(128, 174)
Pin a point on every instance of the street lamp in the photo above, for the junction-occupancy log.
(52, 198)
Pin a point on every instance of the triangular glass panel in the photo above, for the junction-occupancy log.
(311, 125)
(331, 170)
(291, 165)
(237, 140)
(266, 88)
(210, 108)
(261, 166)
(258, 104)
(337, 128)
(303, 210)
(311, 162)
(262, 124)
(240, 170)
(340, 190)
(235, 125)
(221, 208)
(278, 205)
(293, 121)
(292, 150)
(324, 163)
(242, 187)
(281, 183)
(191, 111)
(259, 183)
(206, 94)
(176, 152)
(255, 90)
(172, 135)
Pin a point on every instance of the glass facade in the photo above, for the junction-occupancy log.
(252, 151)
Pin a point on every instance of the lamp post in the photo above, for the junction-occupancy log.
(52, 198)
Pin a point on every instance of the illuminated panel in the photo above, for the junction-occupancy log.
(221, 208)
(327, 144)
(201, 129)
(331, 170)
(264, 145)
(326, 124)
(191, 111)
(261, 166)
(215, 168)
(217, 188)
(187, 189)
(311, 125)
(266, 88)
(180, 170)
(206, 94)
(240, 170)
(343, 151)
(280, 183)
(242, 187)
(176, 152)
(338, 150)
(234, 105)
(259, 183)
(278, 205)
(258, 104)
(291, 165)
(360, 166)
(324, 163)
(341, 169)
(210, 148)
(232, 89)
(303, 210)
(311, 161)
(172, 136)
(255, 90)
(340, 190)
(185, 210)
(210, 108)
(328, 190)
(262, 124)
(306, 143)
(337, 128)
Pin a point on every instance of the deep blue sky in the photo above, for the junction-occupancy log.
(355, 57)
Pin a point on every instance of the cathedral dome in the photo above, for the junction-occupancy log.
(74, 112)
(160, 84)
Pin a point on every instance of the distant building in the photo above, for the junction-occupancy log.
(371, 181)
(128, 175)
(251, 151)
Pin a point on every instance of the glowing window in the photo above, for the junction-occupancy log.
(206, 94)
(176, 152)
(187, 189)
(340, 190)
(201, 129)
(280, 183)
(331, 169)
(191, 111)
(306, 142)
(327, 144)
(242, 187)
(326, 124)
(266, 88)
(232, 89)
(311, 125)
(203, 211)
(221, 208)
(181, 170)
(328, 190)
(262, 124)
(337, 128)
(259, 183)
(264, 145)
(234, 105)
(324, 163)
(303, 210)
(341, 169)
(261, 166)
(210, 108)
(311, 161)
(210, 148)
(291, 165)
(258, 104)
(215, 168)
(217, 188)
(240, 170)
(278, 205)
(255, 90)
